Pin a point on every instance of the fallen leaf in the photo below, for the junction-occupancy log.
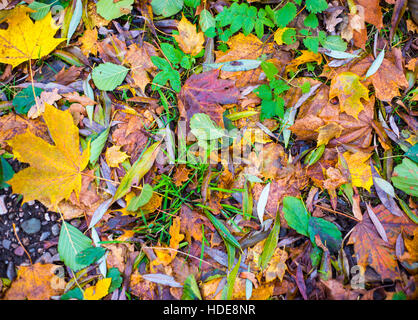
(305, 57)
(35, 282)
(277, 265)
(55, 169)
(349, 90)
(46, 97)
(190, 41)
(89, 42)
(204, 93)
(98, 291)
(371, 249)
(24, 40)
(138, 58)
(360, 170)
(114, 157)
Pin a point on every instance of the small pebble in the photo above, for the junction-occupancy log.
(44, 236)
(47, 218)
(55, 229)
(76, 223)
(19, 251)
(31, 226)
(6, 244)
(11, 272)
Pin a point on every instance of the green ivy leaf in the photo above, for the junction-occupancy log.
(316, 6)
(89, 256)
(72, 241)
(6, 173)
(284, 15)
(405, 177)
(206, 20)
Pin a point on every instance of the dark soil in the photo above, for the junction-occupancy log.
(36, 227)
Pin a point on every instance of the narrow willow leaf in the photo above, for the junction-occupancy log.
(236, 65)
(385, 186)
(376, 223)
(315, 155)
(262, 202)
(375, 65)
(138, 170)
(223, 231)
(270, 244)
(75, 19)
(71, 242)
(230, 281)
(242, 114)
(97, 146)
(191, 289)
(163, 279)
(339, 54)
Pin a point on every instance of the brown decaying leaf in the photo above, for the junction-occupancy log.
(12, 125)
(35, 282)
(139, 59)
(205, 93)
(130, 133)
(371, 250)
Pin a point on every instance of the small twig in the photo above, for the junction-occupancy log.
(18, 239)
(337, 212)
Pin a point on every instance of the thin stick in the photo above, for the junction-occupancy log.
(18, 239)
(337, 212)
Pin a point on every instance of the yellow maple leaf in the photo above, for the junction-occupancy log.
(55, 170)
(360, 170)
(100, 290)
(349, 90)
(190, 41)
(24, 40)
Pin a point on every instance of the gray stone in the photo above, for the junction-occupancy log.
(44, 236)
(3, 209)
(6, 244)
(55, 229)
(31, 226)
(19, 251)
